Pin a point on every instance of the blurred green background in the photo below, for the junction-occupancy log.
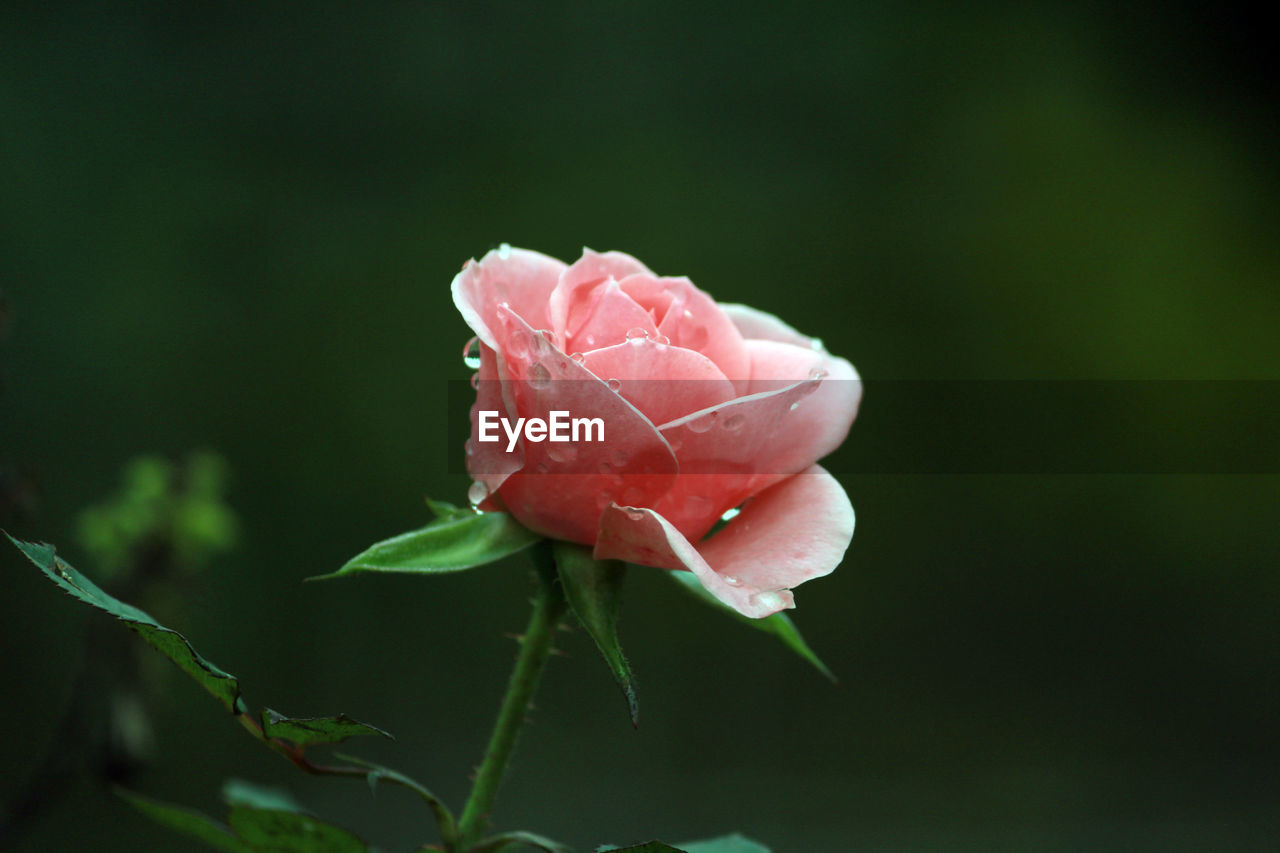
(235, 228)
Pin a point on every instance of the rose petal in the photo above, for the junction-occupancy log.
(577, 280)
(605, 317)
(761, 325)
(693, 320)
(522, 279)
(662, 381)
(775, 432)
(563, 487)
(775, 364)
(795, 531)
(487, 462)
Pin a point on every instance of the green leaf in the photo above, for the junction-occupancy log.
(270, 819)
(444, 509)
(451, 543)
(282, 831)
(734, 843)
(594, 590)
(189, 821)
(173, 645)
(444, 817)
(305, 731)
(779, 624)
(498, 843)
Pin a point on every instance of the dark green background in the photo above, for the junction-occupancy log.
(235, 229)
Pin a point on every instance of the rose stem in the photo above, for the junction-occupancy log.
(535, 647)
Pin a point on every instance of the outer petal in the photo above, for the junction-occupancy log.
(488, 462)
(761, 325)
(662, 381)
(576, 282)
(795, 531)
(563, 487)
(520, 278)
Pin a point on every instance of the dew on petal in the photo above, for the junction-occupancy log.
(817, 374)
(732, 580)
(539, 377)
(504, 251)
(661, 340)
(794, 406)
(604, 467)
(578, 357)
(614, 384)
(475, 381)
(542, 342)
(471, 353)
(735, 422)
(477, 493)
(730, 514)
(635, 514)
(817, 345)
(769, 600)
(637, 335)
(619, 458)
(702, 424)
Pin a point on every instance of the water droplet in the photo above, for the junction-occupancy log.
(732, 580)
(660, 340)
(817, 345)
(702, 424)
(637, 335)
(635, 514)
(539, 377)
(504, 251)
(604, 467)
(591, 340)
(475, 381)
(578, 357)
(562, 451)
(817, 374)
(769, 600)
(730, 514)
(477, 493)
(674, 441)
(614, 384)
(542, 342)
(471, 354)
(734, 422)
(619, 458)
(794, 406)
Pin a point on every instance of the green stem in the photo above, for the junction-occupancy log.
(535, 647)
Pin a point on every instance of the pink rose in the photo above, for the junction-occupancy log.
(705, 407)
